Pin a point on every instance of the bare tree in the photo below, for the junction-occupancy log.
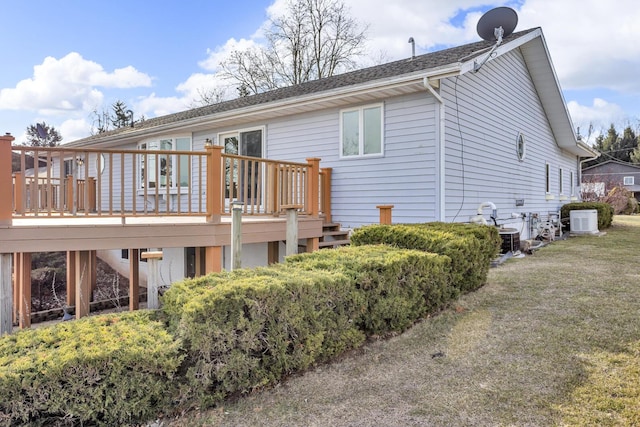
(208, 97)
(312, 40)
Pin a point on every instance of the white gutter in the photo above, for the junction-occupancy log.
(440, 134)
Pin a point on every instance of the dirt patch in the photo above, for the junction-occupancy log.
(49, 282)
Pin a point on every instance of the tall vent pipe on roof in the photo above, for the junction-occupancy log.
(413, 47)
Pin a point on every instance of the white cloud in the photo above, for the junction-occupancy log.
(74, 129)
(217, 55)
(592, 42)
(68, 84)
(596, 118)
(153, 106)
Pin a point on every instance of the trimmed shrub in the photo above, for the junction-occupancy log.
(605, 212)
(104, 370)
(249, 328)
(399, 286)
(470, 255)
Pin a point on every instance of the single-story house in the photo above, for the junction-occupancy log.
(601, 178)
(430, 135)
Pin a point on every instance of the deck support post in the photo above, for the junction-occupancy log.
(292, 229)
(213, 259)
(385, 214)
(71, 278)
(236, 235)
(134, 279)
(6, 180)
(6, 295)
(23, 275)
(153, 275)
(273, 252)
(83, 283)
(16, 288)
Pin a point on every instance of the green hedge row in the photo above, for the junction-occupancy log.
(101, 370)
(471, 247)
(605, 212)
(249, 328)
(232, 332)
(398, 286)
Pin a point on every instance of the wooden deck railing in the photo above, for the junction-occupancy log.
(93, 182)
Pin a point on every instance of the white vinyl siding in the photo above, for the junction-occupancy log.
(404, 177)
(493, 107)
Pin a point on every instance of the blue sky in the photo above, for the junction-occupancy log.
(64, 59)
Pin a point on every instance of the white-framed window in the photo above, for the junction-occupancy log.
(561, 180)
(628, 180)
(361, 131)
(160, 170)
(547, 168)
(571, 183)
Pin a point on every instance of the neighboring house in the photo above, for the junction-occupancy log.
(427, 134)
(601, 178)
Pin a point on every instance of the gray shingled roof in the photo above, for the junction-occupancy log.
(391, 69)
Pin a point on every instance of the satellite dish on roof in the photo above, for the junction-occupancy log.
(493, 26)
(42, 132)
(491, 22)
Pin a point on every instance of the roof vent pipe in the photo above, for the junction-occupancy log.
(413, 47)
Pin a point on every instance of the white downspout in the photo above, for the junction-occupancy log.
(440, 134)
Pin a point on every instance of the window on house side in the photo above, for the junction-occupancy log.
(548, 178)
(361, 131)
(560, 180)
(164, 170)
(571, 182)
(628, 180)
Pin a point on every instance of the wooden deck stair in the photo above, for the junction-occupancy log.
(333, 236)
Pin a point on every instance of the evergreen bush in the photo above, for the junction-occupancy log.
(470, 247)
(605, 212)
(105, 370)
(399, 286)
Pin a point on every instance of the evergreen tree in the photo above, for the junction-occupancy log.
(43, 135)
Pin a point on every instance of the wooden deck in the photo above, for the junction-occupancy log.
(83, 200)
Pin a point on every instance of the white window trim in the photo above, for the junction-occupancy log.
(360, 110)
(561, 181)
(628, 180)
(173, 189)
(220, 135)
(547, 183)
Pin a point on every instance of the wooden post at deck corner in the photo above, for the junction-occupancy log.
(313, 186)
(6, 185)
(214, 182)
(385, 214)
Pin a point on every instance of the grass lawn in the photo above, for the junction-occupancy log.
(553, 339)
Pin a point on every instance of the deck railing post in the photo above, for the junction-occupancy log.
(18, 192)
(6, 184)
(214, 182)
(326, 194)
(385, 214)
(313, 186)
